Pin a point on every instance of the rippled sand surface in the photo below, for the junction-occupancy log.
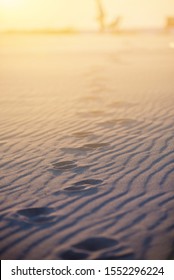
(87, 147)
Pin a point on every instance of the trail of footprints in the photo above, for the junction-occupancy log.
(83, 185)
(94, 247)
(72, 166)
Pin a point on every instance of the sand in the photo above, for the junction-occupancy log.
(87, 147)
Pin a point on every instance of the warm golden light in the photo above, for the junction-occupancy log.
(82, 14)
(10, 3)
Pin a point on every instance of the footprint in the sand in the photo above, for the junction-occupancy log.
(92, 113)
(119, 122)
(64, 165)
(108, 123)
(85, 148)
(84, 185)
(81, 168)
(94, 244)
(70, 150)
(98, 248)
(37, 215)
(122, 104)
(127, 122)
(99, 85)
(82, 134)
(93, 146)
(96, 113)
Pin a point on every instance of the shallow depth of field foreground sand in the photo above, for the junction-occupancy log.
(87, 147)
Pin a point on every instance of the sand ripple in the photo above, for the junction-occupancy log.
(87, 156)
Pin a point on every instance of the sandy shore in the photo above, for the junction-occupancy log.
(87, 147)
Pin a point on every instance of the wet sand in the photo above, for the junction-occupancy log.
(87, 147)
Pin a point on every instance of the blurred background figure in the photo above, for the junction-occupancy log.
(100, 15)
(113, 26)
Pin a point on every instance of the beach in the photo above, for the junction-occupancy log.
(87, 146)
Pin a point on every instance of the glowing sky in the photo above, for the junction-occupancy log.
(22, 14)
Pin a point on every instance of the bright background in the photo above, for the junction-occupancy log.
(29, 14)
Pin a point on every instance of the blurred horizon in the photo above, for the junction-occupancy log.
(70, 16)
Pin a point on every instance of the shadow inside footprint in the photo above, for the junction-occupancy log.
(84, 185)
(73, 150)
(127, 122)
(96, 113)
(35, 215)
(88, 182)
(120, 122)
(82, 149)
(64, 165)
(73, 255)
(81, 169)
(95, 244)
(94, 146)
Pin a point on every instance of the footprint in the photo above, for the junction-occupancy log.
(36, 215)
(83, 185)
(127, 122)
(121, 104)
(64, 165)
(88, 182)
(85, 148)
(98, 86)
(99, 248)
(82, 134)
(109, 123)
(81, 169)
(93, 113)
(73, 255)
(94, 146)
(122, 122)
(96, 113)
(72, 150)
(95, 244)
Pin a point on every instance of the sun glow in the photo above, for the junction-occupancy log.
(10, 3)
(8, 6)
(33, 14)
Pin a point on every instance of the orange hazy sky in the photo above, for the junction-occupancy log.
(22, 14)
